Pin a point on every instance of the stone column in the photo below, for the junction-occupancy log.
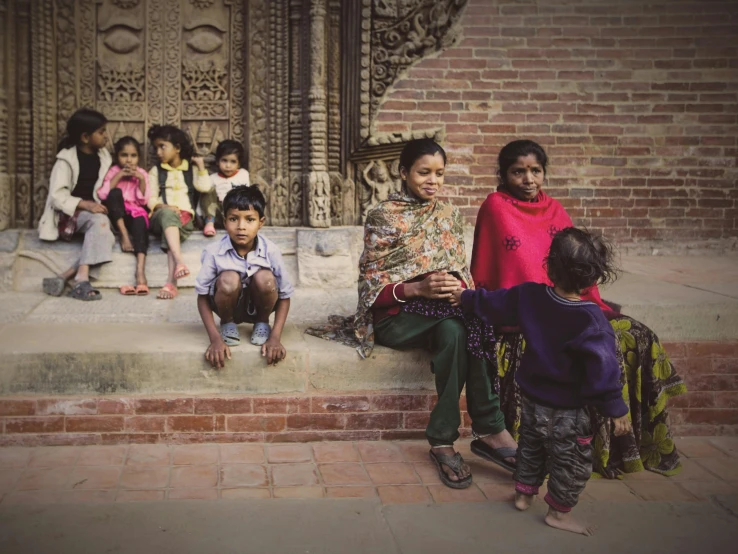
(319, 192)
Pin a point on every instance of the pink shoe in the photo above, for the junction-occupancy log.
(209, 230)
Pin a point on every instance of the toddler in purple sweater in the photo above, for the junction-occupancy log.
(569, 363)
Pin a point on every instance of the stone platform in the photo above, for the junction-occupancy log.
(325, 258)
(130, 369)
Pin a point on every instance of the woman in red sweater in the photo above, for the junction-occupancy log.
(515, 227)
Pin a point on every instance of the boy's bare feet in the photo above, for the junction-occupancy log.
(566, 522)
(523, 501)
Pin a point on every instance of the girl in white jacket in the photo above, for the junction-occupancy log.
(73, 206)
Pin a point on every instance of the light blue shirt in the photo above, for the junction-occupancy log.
(221, 256)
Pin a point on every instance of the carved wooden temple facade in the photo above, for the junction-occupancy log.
(298, 81)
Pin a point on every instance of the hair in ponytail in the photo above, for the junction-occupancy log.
(83, 121)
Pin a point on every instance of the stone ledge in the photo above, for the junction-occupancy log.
(327, 258)
(154, 359)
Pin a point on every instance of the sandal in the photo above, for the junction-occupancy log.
(209, 230)
(171, 289)
(260, 334)
(127, 290)
(141, 290)
(181, 271)
(54, 286)
(454, 464)
(230, 334)
(495, 455)
(84, 291)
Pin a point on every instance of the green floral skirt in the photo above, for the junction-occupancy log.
(648, 379)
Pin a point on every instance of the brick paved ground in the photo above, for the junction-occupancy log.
(396, 472)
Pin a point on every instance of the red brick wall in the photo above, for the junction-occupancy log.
(635, 101)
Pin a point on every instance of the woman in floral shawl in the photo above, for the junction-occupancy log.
(413, 258)
(514, 230)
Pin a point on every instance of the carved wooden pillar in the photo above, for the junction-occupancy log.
(15, 114)
(319, 209)
(44, 104)
(297, 154)
(6, 27)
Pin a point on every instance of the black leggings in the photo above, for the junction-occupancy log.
(136, 226)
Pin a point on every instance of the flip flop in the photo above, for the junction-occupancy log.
(54, 286)
(141, 290)
(494, 455)
(82, 290)
(454, 464)
(230, 334)
(127, 290)
(170, 288)
(209, 230)
(181, 269)
(260, 334)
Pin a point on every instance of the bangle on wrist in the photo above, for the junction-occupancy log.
(394, 294)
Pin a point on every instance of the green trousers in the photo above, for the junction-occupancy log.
(453, 367)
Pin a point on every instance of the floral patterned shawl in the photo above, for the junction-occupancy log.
(404, 237)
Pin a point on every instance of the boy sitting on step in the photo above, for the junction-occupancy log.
(243, 280)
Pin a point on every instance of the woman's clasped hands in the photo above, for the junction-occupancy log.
(439, 285)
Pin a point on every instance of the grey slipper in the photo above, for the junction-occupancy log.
(230, 334)
(54, 286)
(260, 333)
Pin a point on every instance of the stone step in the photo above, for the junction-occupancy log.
(146, 358)
(313, 257)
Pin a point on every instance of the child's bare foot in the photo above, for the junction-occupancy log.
(566, 522)
(523, 501)
(125, 244)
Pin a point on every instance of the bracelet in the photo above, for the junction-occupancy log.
(395, 295)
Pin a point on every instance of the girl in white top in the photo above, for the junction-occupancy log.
(73, 205)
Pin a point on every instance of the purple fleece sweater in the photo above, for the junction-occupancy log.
(569, 359)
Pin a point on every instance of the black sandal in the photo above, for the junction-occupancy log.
(495, 455)
(82, 290)
(454, 464)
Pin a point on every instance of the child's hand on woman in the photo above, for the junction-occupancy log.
(455, 299)
(92, 207)
(622, 425)
(437, 286)
(217, 353)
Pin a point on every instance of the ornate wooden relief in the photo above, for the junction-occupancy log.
(300, 93)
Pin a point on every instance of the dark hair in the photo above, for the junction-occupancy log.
(244, 198)
(516, 149)
(416, 149)
(82, 121)
(176, 136)
(125, 141)
(578, 260)
(230, 146)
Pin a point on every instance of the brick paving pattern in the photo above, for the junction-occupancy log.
(395, 472)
